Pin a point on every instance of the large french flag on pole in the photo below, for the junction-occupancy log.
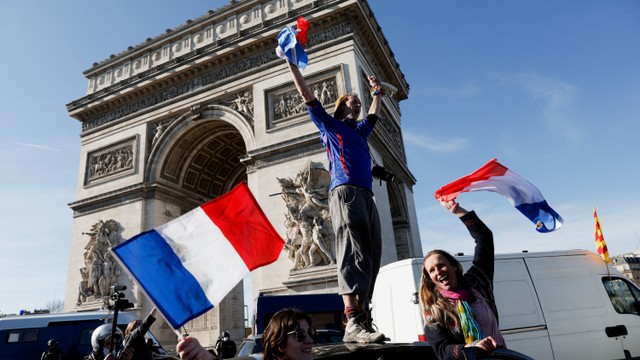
(521, 193)
(188, 265)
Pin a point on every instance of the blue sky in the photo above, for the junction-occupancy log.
(550, 88)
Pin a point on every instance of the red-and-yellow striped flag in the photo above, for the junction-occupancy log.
(601, 246)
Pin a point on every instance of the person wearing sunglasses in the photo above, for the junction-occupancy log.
(288, 336)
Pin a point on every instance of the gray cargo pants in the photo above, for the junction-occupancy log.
(358, 240)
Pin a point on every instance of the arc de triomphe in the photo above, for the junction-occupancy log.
(183, 117)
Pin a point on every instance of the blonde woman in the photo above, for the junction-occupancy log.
(459, 309)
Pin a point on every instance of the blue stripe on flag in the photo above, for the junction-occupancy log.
(171, 287)
(541, 214)
(291, 48)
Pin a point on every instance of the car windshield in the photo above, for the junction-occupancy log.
(249, 346)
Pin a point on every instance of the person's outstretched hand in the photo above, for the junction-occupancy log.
(189, 348)
(488, 344)
(453, 207)
(373, 81)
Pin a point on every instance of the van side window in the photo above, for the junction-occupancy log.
(85, 336)
(624, 297)
(23, 335)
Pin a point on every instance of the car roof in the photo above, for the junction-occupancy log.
(43, 320)
(418, 350)
(259, 336)
(375, 351)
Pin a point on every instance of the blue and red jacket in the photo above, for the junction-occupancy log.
(346, 145)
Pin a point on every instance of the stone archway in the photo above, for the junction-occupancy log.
(200, 153)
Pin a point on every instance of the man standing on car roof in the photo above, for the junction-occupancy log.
(353, 210)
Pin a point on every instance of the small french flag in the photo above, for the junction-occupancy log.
(290, 42)
(521, 193)
(188, 265)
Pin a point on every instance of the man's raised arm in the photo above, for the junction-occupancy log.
(301, 84)
(376, 96)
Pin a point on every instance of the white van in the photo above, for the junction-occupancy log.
(26, 336)
(552, 305)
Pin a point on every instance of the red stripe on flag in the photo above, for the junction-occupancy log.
(303, 26)
(239, 216)
(451, 190)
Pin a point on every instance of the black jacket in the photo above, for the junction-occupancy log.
(137, 342)
(449, 343)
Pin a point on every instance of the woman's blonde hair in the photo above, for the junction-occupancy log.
(338, 113)
(133, 324)
(435, 308)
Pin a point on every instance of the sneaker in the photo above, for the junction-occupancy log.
(356, 331)
(371, 327)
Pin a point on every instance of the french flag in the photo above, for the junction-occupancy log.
(290, 42)
(521, 193)
(188, 265)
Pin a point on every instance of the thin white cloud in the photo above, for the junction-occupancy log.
(37, 146)
(462, 91)
(432, 144)
(557, 96)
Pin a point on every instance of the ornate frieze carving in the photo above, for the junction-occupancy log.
(389, 132)
(212, 30)
(285, 104)
(214, 76)
(111, 161)
(242, 102)
(100, 270)
(309, 233)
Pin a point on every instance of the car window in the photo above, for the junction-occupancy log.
(246, 348)
(624, 297)
(24, 335)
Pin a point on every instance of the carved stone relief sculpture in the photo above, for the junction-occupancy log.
(242, 102)
(285, 105)
(100, 270)
(112, 160)
(309, 233)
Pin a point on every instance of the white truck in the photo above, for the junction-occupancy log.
(552, 305)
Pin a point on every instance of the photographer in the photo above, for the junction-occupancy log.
(134, 337)
(101, 340)
(353, 211)
(106, 338)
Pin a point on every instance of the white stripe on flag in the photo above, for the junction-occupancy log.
(515, 188)
(202, 247)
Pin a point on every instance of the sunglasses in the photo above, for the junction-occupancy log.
(301, 334)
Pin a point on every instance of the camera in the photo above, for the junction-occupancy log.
(116, 300)
(382, 174)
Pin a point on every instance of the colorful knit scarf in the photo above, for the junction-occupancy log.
(471, 330)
